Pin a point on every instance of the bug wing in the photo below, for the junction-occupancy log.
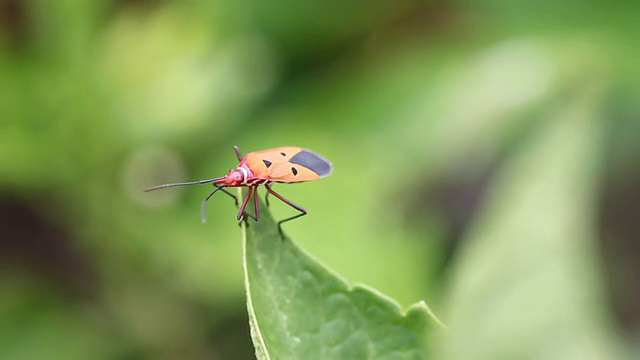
(288, 164)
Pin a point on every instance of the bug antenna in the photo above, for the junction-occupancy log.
(158, 187)
(237, 150)
(203, 207)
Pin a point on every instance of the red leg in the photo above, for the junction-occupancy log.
(302, 210)
(244, 203)
(255, 203)
(243, 214)
(266, 198)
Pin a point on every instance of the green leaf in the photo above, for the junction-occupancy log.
(299, 309)
(526, 285)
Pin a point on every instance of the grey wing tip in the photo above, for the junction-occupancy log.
(314, 161)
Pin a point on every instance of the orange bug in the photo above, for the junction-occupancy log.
(285, 164)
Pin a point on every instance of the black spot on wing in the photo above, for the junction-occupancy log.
(294, 171)
(312, 161)
(283, 154)
(267, 163)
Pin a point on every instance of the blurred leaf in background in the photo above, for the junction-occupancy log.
(548, 304)
(424, 109)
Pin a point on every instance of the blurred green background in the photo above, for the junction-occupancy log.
(422, 106)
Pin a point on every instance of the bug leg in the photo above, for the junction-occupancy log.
(256, 213)
(203, 207)
(302, 210)
(266, 198)
(237, 150)
(255, 204)
(288, 219)
(242, 214)
(221, 188)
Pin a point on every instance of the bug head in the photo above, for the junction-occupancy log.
(234, 177)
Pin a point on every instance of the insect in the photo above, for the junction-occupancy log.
(286, 164)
